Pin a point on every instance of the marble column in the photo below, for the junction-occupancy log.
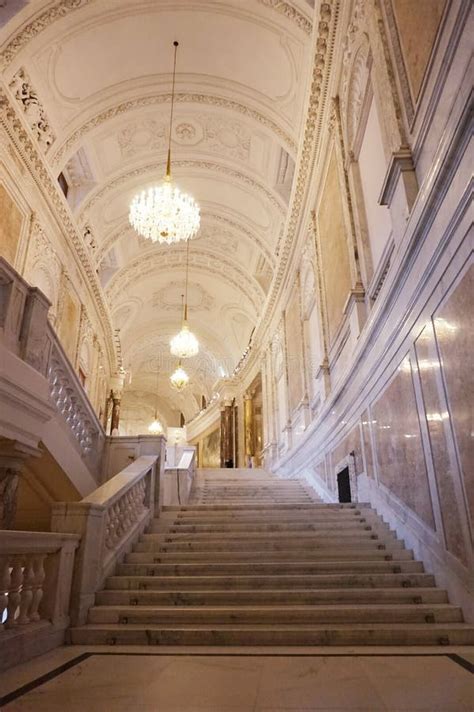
(249, 428)
(227, 435)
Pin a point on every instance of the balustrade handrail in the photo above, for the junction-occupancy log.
(28, 542)
(112, 490)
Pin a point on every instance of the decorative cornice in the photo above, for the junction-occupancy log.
(29, 31)
(291, 12)
(180, 98)
(46, 185)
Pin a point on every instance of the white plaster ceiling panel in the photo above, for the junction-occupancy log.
(145, 38)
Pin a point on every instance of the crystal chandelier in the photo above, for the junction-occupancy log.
(179, 379)
(163, 213)
(185, 344)
(156, 428)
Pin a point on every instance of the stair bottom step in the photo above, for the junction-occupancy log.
(304, 635)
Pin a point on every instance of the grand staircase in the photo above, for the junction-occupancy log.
(254, 560)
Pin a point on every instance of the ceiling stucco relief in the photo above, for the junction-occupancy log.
(169, 297)
(148, 265)
(193, 168)
(79, 133)
(33, 109)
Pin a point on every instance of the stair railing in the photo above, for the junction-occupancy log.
(109, 521)
(178, 479)
(35, 583)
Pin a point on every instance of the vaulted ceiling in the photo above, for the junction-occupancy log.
(103, 73)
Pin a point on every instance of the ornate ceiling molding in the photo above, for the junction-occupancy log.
(212, 218)
(202, 260)
(291, 12)
(48, 187)
(181, 98)
(271, 196)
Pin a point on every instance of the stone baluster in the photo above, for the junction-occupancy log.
(14, 588)
(26, 593)
(39, 577)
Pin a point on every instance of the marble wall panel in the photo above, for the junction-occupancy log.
(367, 443)
(11, 220)
(444, 459)
(320, 471)
(69, 324)
(351, 443)
(417, 25)
(398, 446)
(211, 449)
(294, 350)
(333, 246)
(454, 327)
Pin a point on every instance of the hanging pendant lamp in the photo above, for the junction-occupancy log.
(163, 213)
(179, 379)
(185, 344)
(156, 428)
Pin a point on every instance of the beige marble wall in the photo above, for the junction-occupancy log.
(294, 350)
(454, 327)
(444, 459)
(210, 450)
(11, 220)
(333, 246)
(351, 443)
(417, 24)
(399, 450)
(367, 443)
(69, 323)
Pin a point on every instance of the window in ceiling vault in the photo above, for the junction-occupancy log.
(79, 177)
(284, 174)
(263, 273)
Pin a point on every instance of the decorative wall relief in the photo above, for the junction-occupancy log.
(33, 109)
(11, 220)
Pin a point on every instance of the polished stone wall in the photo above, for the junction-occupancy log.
(11, 220)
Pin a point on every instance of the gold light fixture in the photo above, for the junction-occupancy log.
(179, 379)
(185, 344)
(163, 213)
(156, 428)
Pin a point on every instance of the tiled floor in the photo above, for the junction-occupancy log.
(101, 680)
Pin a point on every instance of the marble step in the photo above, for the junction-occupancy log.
(266, 556)
(249, 528)
(279, 580)
(270, 597)
(242, 538)
(289, 635)
(281, 516)
(268, 567)
(211, 508)
(308, 543)
(261, 615)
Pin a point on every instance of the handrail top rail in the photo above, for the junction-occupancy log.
(29, 542)
(108, 493)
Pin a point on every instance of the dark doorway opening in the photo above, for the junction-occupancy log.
(344, 485)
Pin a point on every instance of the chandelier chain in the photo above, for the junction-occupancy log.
(168, 163)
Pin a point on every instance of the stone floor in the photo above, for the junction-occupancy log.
(75, 679)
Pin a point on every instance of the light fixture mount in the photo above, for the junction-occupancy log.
(162, 213)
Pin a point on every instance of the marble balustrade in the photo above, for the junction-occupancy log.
(35, 583)
(109, 521)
